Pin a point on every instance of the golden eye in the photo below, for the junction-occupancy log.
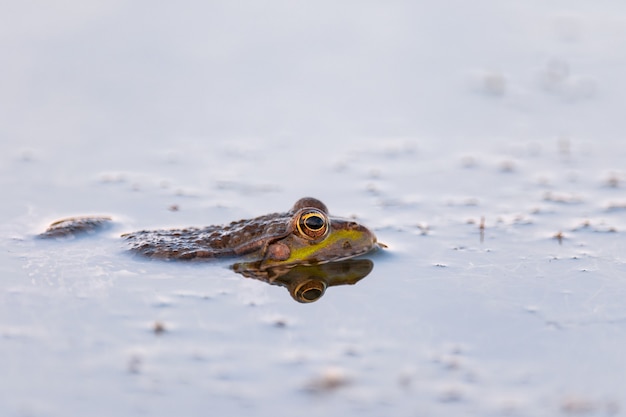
(308, 291)
(312, 224)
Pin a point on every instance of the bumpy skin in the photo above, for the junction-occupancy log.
(238, 238)
(271, 240)
(304, 235)
(74, 226)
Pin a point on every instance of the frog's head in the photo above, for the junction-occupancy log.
(315, 238)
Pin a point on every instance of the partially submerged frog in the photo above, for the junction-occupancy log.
(304, 235)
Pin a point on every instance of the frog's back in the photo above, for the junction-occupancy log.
(238, 238)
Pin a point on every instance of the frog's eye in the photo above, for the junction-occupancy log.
(312, 224)
(308, 291)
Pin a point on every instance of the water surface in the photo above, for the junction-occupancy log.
(482, 143)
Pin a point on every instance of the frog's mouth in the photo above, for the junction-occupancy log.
(347, 240)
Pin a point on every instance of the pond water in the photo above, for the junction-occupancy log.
(483, 143)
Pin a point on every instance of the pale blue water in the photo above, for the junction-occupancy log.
(419, 119)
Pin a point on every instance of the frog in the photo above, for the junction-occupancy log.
(306, 234)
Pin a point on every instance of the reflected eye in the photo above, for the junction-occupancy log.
(312, 224)
(308, 291)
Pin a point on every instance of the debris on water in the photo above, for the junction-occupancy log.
(584, 225)
(423, 228)
(481, 227)
(405, 378)
(329, 380)
(469, 162)
(616, 206)
(374, 173)
(450, 362)
(134, 364)
(158, 328)
(559, 237)
(451, 394)
(463, 202)
(613, 181)
(280, 323)
(576, 405)
(600, 227)
(507, 166)
(113, 178)
(372, 188)
(276, 321)
(162, 302)
(562, 198)
(490, 83)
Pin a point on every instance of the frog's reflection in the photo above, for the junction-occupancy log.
(307, 283)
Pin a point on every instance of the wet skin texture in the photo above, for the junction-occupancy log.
(305, 234)
(73, 226)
